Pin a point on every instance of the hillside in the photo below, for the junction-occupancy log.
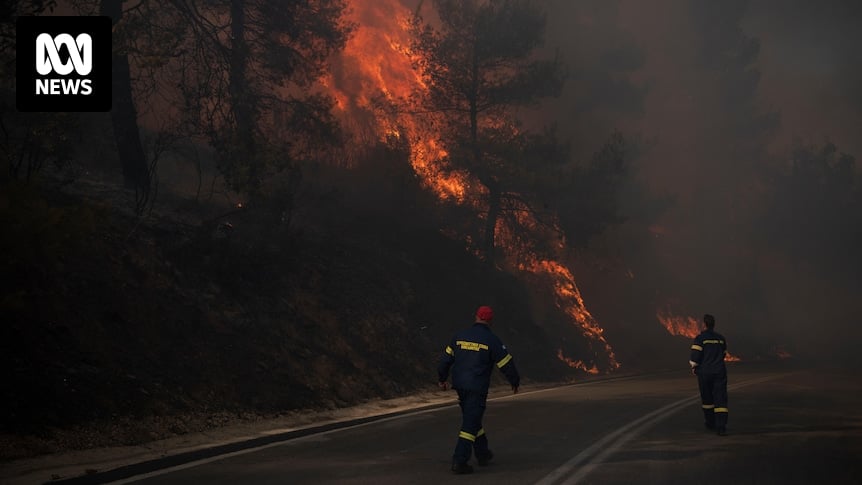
(121, 330)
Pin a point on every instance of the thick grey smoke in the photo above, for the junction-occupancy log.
(717, 90)
(812, 67)
(722, 128)
(721, 89)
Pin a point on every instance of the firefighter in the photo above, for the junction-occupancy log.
(707, 363)
(471, 355)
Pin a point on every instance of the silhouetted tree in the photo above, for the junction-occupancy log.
(28, 140)
(587, 195)
(736, 130)
(247, 74)
(731, 134)
(603, 58)
(124, 114)
(478, 64)
(815, 215)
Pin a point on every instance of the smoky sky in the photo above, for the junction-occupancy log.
(811, 61)
(640, 67)
(633, 66)
(809, 77)
(643, 65)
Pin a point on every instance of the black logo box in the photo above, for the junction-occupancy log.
(28, 29)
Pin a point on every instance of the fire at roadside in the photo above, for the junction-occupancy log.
(376, 68)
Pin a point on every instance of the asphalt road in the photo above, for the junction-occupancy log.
(786, 426)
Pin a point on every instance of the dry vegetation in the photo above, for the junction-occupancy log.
(121, 330)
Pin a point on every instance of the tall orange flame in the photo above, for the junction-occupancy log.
(375, 70)
(569, 299)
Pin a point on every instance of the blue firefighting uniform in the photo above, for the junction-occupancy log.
(471, 355)
(707, 359)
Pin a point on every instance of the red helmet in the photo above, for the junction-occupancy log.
(485, 313)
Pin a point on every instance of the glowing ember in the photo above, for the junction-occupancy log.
(782, 354)
(577, 364)
(728, 357)
(678, 325)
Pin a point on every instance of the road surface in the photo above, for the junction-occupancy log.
(787, 425)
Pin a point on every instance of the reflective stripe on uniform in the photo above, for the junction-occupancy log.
(721, 410)
(505, 360)
(474, 346)
(449, 350)
(467, 436)
(708, 406)
(713, 341)
(481, 432)
(696, 347)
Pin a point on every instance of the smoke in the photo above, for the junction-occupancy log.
(730, 84)
(812, 67)
(602, 92)
(718, 89)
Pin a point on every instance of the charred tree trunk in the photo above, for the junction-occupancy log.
(240, 95)
(124, 116)
(494, 206)
(486, 178)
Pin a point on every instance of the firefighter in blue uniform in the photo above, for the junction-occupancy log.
(472, 354)
(707, 363)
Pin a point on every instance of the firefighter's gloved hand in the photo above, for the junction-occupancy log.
(443, 385)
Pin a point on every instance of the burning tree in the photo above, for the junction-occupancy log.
(465, 142)
(477, 63)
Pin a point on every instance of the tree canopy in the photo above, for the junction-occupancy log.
(478, 63)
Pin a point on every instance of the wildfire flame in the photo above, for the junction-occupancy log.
(679, 325)
(569, 300)
(376, 68)
(577, 364)
(684, 326)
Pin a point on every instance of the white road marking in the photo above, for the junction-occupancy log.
(560, 472)
(310, 437)
(246, 451)
(589, 458)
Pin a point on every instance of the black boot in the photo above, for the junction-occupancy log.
(722, 431)
(485, 459)
(461, 468)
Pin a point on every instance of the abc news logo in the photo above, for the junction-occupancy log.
(48, 60)
(63, 63)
